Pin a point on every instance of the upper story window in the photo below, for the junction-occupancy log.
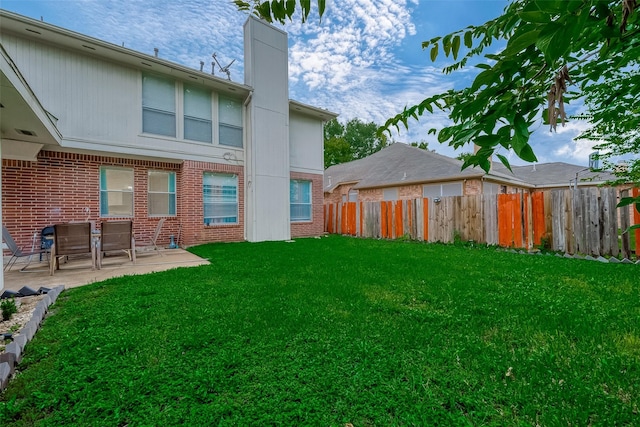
(162, 193)
(116, 192)
(158, 105)
(220, 193)
(230, 117)
(300, 200)
(197, 114)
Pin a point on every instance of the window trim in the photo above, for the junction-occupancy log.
(309, 204)
(237, 198)
(103, 203)
(170, 175)
(144, 108)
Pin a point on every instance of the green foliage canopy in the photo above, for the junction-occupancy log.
(351, 141)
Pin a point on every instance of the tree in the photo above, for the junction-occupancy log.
(354, 140)
(464, 156)
(422, 144)
(591, 47)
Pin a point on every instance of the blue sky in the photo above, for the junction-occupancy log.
(363, 59)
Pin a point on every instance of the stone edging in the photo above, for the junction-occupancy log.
(13, 351)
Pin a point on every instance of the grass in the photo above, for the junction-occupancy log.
(340, 330)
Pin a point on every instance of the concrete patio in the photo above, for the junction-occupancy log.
(77, 270)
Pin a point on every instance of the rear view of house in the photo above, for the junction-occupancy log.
(92, 131)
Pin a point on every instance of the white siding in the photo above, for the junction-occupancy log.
(98, 103)
(306, 141)
(267, 171)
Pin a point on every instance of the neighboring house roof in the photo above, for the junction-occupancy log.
(402, 164)
(557, 174)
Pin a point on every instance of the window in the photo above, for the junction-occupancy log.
(300, 200)
(353, 195)
(197, 114)
(116, 192)
(158, 106)
(230, 117)
(490, 188)
(162, 193)
(390, 194)
(432, 191)
(220, 193)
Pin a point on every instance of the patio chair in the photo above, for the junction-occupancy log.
(154, 238)
(16, 251)
(117, 236)
(71, 239)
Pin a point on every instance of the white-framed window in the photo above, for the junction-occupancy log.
(158, 105)
(230, 121)
(161, 194)
(116, 192)
(197, 114)
(300, 200)
(490, 188)
(431, 191)
(220, 193)
(353, 195)
(390, 194)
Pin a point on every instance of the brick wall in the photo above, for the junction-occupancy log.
(60, 187)
(409, 192)
(472, 187)
(190, 202)
(316, 226)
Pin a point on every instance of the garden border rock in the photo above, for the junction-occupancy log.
(12, 356)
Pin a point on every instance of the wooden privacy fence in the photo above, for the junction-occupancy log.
(583, 220)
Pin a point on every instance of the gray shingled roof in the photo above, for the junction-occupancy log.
(402, 164)
(555, 174)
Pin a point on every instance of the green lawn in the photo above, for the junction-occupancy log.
(325, 332)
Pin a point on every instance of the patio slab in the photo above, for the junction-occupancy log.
(77, 270)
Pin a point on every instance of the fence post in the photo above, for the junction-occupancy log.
(636, 220)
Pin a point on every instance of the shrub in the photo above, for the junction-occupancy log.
(8, 307)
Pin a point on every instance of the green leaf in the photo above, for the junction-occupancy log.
(278, 10)
(444, 135)
(526, 154)
(305, 5)
(468, 39)
(321, 7)
(535, 17)
(264, 11)
(291, 7)
(434, 52)
(455, 46)
(485, 141)
(520, 126)
(485, 164)
(521, 42)
(626, 201)
(484, 78)
(504, 161)
(446, 44)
